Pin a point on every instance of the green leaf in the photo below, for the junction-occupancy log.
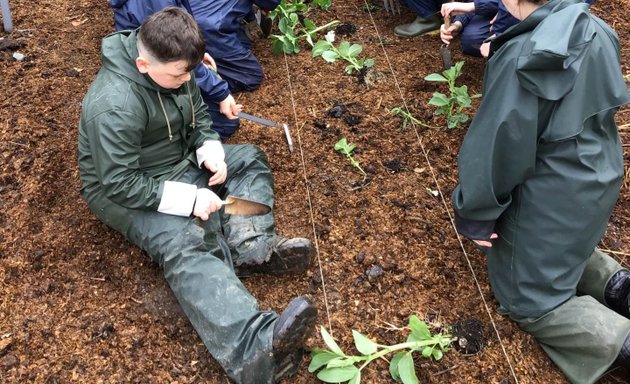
(439, 100)
(364, 344)
(427, 351)
(319, 358)
(356, 379)
(419, 328)
(393, 365)
(368, 62)
(330, 56)
(340, 362)
(436, 77)
(320, 47)
(328, 339)
(407, 370)
(341, 144)
(355, 50)
(344, 48)
(277, 46)
(337, 375)
(309, 25)
(437, 354)
(349, 69)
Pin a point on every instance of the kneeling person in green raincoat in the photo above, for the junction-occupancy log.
(540, 170)
(154, 170)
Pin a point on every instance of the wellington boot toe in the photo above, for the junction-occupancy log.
(418, 27)
(293, 327)
(288, 256)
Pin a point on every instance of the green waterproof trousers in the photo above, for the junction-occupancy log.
(582, 336)
(198, 260)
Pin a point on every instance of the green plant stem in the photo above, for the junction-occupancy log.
(354, 162)
(331, 24)
(407, 345)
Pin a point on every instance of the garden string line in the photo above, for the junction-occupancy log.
(308, 193)
(426, 157)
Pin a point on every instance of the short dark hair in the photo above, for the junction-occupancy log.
(171, 35)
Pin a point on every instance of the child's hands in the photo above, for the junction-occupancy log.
(457, 8)
(206, 203)
(229, 108)
(447, 34)
(208, 61)
(212, 156)
(486, 243)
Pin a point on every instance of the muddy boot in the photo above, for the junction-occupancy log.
(293, 327)
(419, 26)
(617, 294)
(288, 256)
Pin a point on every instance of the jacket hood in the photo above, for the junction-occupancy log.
(561, 33)
(119, 55)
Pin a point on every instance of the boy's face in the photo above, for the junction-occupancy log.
(167, 75)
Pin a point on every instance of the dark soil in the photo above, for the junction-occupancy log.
(80, 304)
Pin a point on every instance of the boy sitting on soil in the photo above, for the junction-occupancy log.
(154, 170)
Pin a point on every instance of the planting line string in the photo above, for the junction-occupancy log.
(308, 194)
(433, 175)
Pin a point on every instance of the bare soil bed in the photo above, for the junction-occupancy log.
(80, 304)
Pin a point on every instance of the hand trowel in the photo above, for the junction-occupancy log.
(444, 49)
(243, 207)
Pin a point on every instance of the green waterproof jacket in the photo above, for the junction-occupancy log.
(542, 163)
(135, 135)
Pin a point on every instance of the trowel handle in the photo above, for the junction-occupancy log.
(447, 22)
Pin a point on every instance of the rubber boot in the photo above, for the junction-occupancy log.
(419, 26)
(617, 293)
(286, 256)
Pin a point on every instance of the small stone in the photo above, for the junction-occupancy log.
(9, 361)
(374, 272)
(18, 56)
(72, 72)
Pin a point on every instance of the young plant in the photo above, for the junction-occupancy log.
(323, 4)
(458, 99)
(345, 148)
(340, 368)
(346, 51)
(294, 27)
(408, 117)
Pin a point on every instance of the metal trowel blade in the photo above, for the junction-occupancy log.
(446, 56)
(243, 207)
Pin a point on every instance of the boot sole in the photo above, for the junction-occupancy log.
(289, 336)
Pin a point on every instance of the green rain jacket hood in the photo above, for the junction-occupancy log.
(133, 134)
(547, 72)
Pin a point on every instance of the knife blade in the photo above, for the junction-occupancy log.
(269, 123)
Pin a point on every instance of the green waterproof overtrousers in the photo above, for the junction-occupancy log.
(197, 258)
(583, 336)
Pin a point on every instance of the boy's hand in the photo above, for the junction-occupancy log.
(206, 203)
(485, 243)
(208, 61)
(219, 168)
(447, 34)
(456, 8)
(229, 108)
